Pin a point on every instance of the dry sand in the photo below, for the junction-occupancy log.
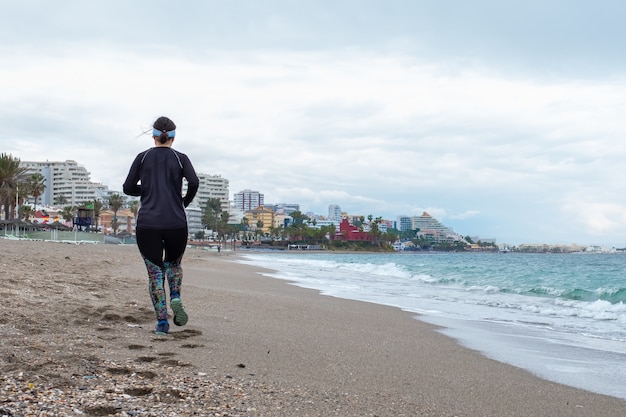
(76, 338)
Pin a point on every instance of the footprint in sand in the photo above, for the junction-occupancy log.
(137, 347)
(120, 371)
(100, 410)
(146, 359)
(174, 362)
(138, 391)
(185, 334)
(191, 346)
(181, 335)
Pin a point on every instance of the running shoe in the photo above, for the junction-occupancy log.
(180, 316)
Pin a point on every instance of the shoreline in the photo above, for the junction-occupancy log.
(254, 346)
(588, 363)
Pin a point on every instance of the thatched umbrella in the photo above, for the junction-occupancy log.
(57, 225)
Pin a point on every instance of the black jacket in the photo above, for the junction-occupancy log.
(156, 176)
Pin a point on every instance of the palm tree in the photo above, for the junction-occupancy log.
(60, 200)
(36, 186)
(134, 208)
(97, 207)
(211, 213)
(68, 213)
(298, 227)
(259, 229)
(223, 227)
(26, 212)
(115, 203)
(11, 174)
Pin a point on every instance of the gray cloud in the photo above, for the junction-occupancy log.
(501, 120)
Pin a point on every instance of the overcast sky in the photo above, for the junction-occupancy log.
(502, 119)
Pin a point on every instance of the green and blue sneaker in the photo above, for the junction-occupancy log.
(163, 327)
(180, 316)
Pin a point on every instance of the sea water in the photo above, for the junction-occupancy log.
(560, 316)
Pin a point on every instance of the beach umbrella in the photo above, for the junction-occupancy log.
(57, 225)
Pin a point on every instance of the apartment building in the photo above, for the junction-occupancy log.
(67, 183)
(247, 200)
(286, 208)
(260, 216)
(334, 213)
(404, 223)
(211, 186)
(431, 229)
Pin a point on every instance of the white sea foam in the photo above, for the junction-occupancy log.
(527, 294)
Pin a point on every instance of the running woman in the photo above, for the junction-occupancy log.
(156, 176)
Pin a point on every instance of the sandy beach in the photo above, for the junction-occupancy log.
(76, 338)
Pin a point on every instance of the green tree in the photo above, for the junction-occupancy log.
(375, 229)
(276, 232)
(298, 228)
(259, 229)
(11, 175)
(60, 200)
(97, 209)
(115, 203)
(211, 214)
(134, 208)
(36, 184)
(68, 213)
(223, 228)
(26, 212)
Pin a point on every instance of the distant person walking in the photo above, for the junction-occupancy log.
(156, 175)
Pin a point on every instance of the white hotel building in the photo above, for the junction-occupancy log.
(66, 181)
(72, 183)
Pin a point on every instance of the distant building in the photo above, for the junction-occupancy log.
(280, 220)
(261, 218)
(248, 200)
(211, 186)
(351, 233)
(334, 213)
(432, 230)
(403, 223)
(318, 224)
(67, 183)
(427, 222)
(125, 221)
(194, 220)
(285, 208)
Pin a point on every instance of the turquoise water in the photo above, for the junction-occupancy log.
(561, 316)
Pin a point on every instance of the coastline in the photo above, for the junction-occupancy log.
(254, 346)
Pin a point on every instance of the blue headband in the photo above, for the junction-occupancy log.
(157, 133)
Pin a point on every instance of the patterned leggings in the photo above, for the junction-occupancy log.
(162, 252)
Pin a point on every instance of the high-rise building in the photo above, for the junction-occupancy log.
(67, 183)
(431, 228)
(427, 222)
(334, 213)
(403, 223)
(211, 186)
(286, 208)
(247, 200)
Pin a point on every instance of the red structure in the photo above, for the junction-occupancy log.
(351, 233)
